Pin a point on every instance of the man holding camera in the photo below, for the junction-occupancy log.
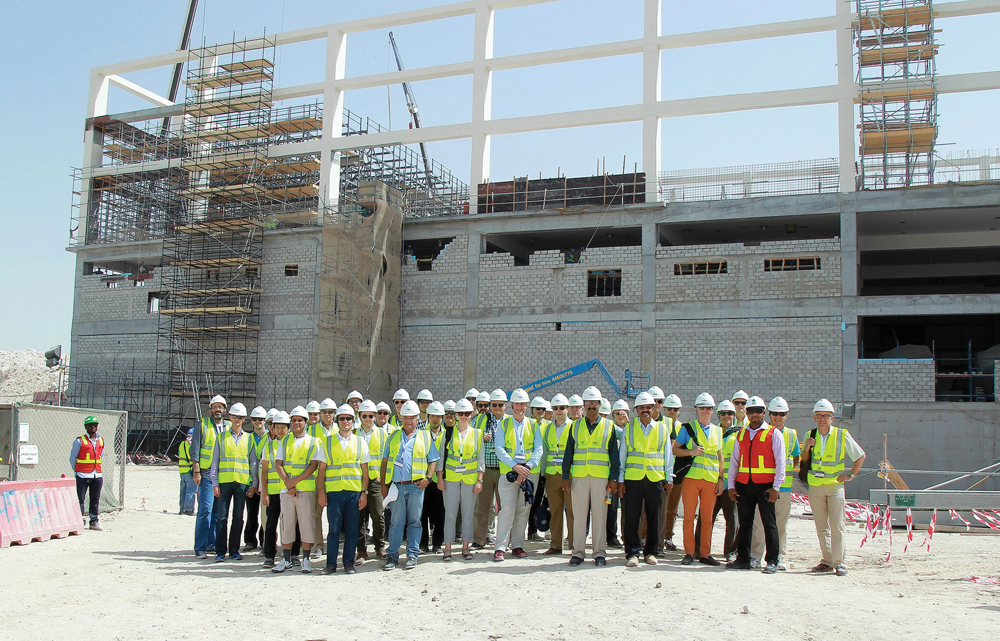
(518, 446)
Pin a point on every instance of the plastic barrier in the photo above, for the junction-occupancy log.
(38, 510)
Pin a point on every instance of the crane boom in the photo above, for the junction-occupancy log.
(411, 104)
(175, 77)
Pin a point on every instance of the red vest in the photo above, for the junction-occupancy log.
(89, 458)
(757, 463)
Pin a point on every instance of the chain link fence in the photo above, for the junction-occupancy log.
(37, 446)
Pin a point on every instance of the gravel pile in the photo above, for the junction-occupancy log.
(22, 373)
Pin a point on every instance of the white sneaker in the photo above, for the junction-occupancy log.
(632, 562)
(282, 566)
(782, 566)
(651, 559)
(306, 565)
(755, 564)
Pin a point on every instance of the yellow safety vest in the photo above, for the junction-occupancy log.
(555, 446)
(234, 458)
(706, 466)
(828, 462)
(439, 439)
(590, 450)
(317, 430)
(509, 437)
(343, 463)
(299, 454)
(462, 463)
(727, 454)
(421, 448)
(273, 482)
(375, 443)
(208, 438)
(645, 452)
(184, 457)
(791, 438)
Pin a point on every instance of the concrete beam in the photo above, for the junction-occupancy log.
(930, 270)
(958, 240)
(932, 304)
(508, 245)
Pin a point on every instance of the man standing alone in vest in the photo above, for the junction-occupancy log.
(188, 488)
(206, 433)
(826, 447)
(702, 440)
(756, 472)
(233, 472)
(85, 457)
(518, 446)
(343, 488)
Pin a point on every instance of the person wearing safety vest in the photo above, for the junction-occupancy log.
(488, 422)
(408, 462)
(555, 435)
(777, 411)
(233, 474)
(374, 438)
(702, 440)
(826, 448)
(354, 400)
(668, 507)
(85, 457)
(537, 411)
(518, 446)
(756, 472)
(253, 531)
(424, 400)
(342, 485)
(460, 478)
(432, 511)
(590, 470)
(269, 484)
(398, 399)
(296, 461)
(314, 421)
(206, 433)
(645, 466)
(726, 412)
(619, 418)
(739, 401)
(188, 488)
(319, 428)
(327, 420)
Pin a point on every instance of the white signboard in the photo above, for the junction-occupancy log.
(27, 455)
(22, 433)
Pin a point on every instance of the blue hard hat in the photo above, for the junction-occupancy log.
(190, 431)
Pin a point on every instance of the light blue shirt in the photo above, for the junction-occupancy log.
(403, 465)
(683, 438)
(520, 456)
(668, 452)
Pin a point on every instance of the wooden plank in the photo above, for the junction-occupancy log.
(259, 63)
(199, 311)
(229, 79)
(895, 18)
(210, 263)
(221, 291)
(871, 57)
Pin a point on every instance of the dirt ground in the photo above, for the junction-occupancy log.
(139, 580)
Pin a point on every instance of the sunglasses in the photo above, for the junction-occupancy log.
(727, 413)
(739, 402)
(755, 410)
(256, 419)
(367, 416)
(482, 404)
(464, 413)
(345, 418)
(329, 411)
(779, 413)
(658, 401)
(398, 402)
(385, 412)
(497, 404)
(559, 408)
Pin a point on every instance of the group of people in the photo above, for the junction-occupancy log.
(492, 469)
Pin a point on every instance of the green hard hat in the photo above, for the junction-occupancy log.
(90, 420)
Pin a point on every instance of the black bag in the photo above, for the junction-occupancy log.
(682, 464)
(805, 464)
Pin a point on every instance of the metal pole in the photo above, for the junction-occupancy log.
(885, 457)
(964, 476)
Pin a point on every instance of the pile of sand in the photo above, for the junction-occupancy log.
(22, 373)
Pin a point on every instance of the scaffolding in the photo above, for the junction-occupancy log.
(898, 98)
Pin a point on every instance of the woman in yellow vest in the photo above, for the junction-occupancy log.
(826, 447)
(342, 485)
(189, 489)
(432, 512)
(233, 473)
(461, 478)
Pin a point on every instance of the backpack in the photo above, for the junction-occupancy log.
(806, 465)
(682, 464)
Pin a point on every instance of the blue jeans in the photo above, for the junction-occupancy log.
(235, 494)
(406, 514)
(343, 514)
(188, 491)
(205, 523)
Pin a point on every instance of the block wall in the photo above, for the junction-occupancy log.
(453, 258)
(289, 294)
(433, 357)
(893, 380)
(126, 302)
(284, 363)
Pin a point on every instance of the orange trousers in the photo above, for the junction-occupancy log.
(691, 491)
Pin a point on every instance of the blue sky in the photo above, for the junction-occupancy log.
(49, 48)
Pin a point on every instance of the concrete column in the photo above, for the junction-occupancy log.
(847, 91)
(849, 295)
(472, 304)
(648, 336)
(482, 101)
(651, 81)
(333, 118)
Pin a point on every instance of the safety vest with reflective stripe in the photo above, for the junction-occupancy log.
(670, 424)
(234, 458)
(555, 446)
(317, 430)
(509, 439)
(706, 466)
(421, 448)
(343, 463)
(828, 461)
(88, 459)
(791, 439)
(439, 439)
(184, 457)
(395, 424)
(375, 442)
(209, 435)
(462, 463)
(727, 454)
(757, 463)
(645, 452)
(590, 449)
(299, 453)
(273, 482)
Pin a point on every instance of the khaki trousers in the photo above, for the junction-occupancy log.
(484, 505)
(318, 526)
(827, 503)
(559, 501)
(782, 509)
(668, 513)
(588, 496)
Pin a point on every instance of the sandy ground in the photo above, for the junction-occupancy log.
(139, 580)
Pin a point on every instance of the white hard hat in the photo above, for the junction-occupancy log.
(622, 404)
(449, 406)
(312, 406)
(271, 413)
(558, 399)
(755, 401)
(258, 412)
(498, 395)
(463, 405)
(519, 396)
(483, 397)
(704, 400)
(726, 406)
(673, 402)
(644, 398)
(605, 407)
(281, 417)
(238, 409)
(382, 407)
(591, 394)
(425, 395)
(369, 406)
(409, 408)
(656, 393)
(740, 396)
(472, 393)
(298, 410)
(327, 404)
(823, 405)
(217, 399)
(538, 401)
(777, 404)
(345, 409)
(401, 395)
(355, 394)
(575, 401)
(435, 408)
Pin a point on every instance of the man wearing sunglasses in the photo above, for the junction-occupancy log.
(670, 411)
(555, 435)
(374, 437)
(354, 400)
(319, 430)
(756, 472)
(777, 411)
(518, 446)
(342, 485)
(726, 413)
(253, 531)
(702, 440)
(488, 423)
(401, 396)
(739, 401)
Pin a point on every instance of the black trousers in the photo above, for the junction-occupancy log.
(235, 493)
(253, 532)
(273, 514)
(641, 496)
(750, 497)
(94, 485)
(612, 526)
(728, 509)
(432, 516)
(533, 512)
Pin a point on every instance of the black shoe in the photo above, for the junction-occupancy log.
(350, 570)
(615, 543)
(329, 570)
(600, 561)
(478, 546)
(770, 568)
(575, 561)
(708, 560)
(687, 560)
(660, 554)
(738, 565)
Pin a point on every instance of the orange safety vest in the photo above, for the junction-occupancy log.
(757, 463)
(89, 458)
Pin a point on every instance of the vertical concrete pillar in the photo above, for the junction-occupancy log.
(472, 303)
(847, 91)
(333, 118)
(651, 80)
(482, 100)
(648, 336)
(849, 295)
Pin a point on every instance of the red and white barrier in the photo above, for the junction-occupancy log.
(38, 510)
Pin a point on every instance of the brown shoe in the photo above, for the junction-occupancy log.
(380, 553)
(822, 567)
(98, 528)
(551, 551)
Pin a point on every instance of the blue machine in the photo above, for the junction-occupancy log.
(630, 391)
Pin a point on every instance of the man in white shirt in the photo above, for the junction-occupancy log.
(518, 446)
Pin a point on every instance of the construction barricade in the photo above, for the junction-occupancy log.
(38, 510)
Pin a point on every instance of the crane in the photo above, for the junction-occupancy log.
(411, 104)
(175, 77)
(630, 391)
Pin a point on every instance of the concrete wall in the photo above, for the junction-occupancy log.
(894, 380)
